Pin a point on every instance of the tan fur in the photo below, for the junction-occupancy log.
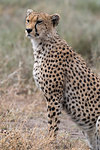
(64, 78)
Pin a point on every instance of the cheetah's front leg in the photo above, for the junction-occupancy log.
(53, 104)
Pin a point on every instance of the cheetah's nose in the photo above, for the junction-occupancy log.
(29, 30)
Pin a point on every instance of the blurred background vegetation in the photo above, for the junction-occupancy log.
(22, 107)
(79, 26)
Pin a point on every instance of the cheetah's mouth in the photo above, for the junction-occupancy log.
(31, 36)
(28, 34)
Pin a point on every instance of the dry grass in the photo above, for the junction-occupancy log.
(23, 118)
(23, 124)
(79, 17)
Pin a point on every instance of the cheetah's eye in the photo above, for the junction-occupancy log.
(27, 20)
(39, 21)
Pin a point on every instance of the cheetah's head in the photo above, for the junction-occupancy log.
(40, 25)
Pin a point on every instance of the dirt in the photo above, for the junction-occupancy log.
(27, 112)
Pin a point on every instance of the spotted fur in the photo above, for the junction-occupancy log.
(64, 78)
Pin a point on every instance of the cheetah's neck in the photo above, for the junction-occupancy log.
(49, 39)
(35, 43)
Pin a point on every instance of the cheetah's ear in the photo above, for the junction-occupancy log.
(55, 19)
(29, 11)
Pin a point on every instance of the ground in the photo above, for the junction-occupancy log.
(23, 117)
(23, 123)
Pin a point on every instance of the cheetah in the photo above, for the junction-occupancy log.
(64, 78)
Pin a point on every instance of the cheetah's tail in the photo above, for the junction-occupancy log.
(98, 134)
